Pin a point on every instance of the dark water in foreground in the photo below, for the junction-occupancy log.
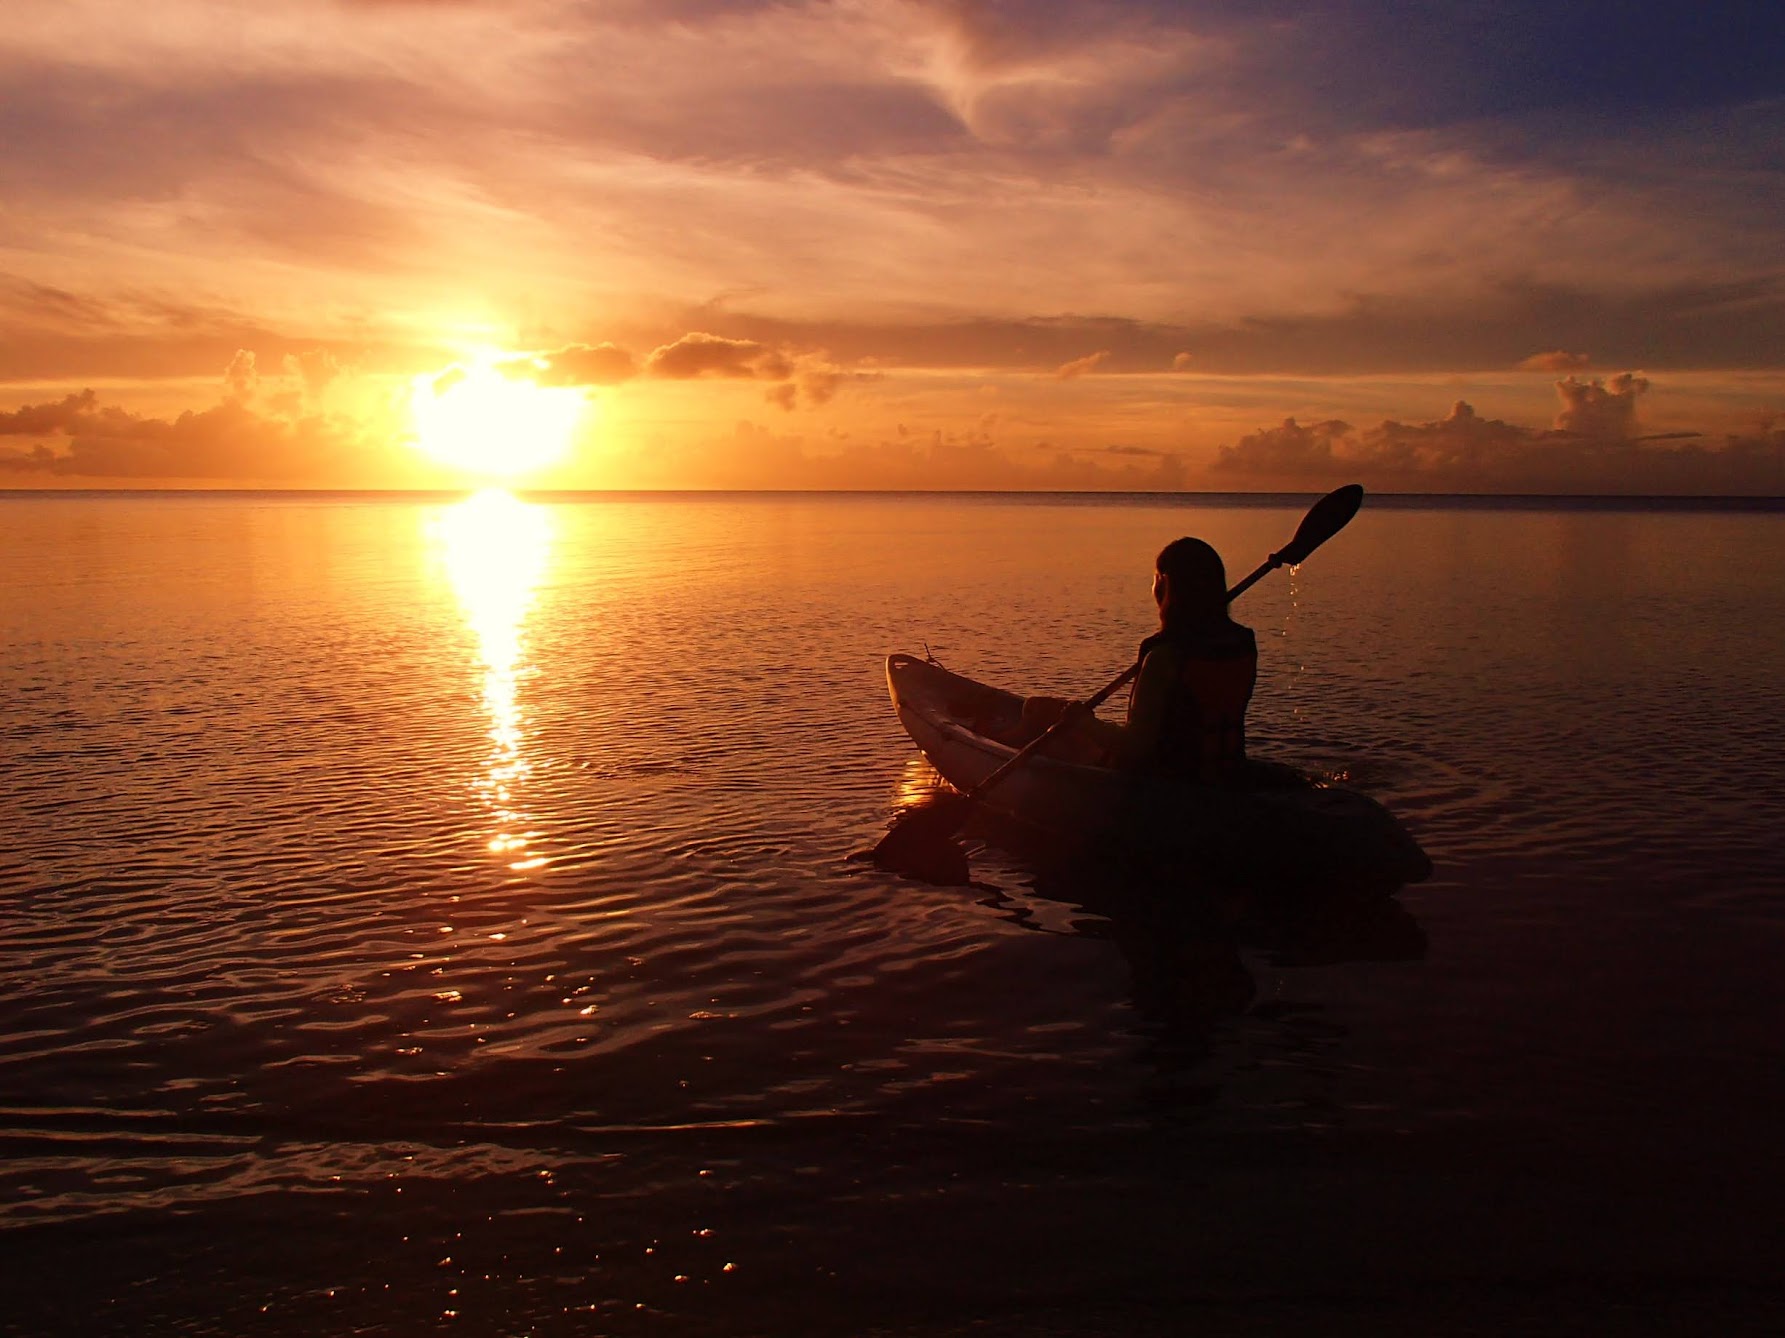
(435, 917)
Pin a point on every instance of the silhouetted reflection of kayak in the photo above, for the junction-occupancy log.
(1274, 831)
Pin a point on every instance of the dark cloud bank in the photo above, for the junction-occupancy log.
(79, 438)
(1595, 444)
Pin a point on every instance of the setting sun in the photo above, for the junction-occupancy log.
(491, 423)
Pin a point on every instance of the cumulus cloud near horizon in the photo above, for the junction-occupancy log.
(228, 441)
(277, 427)
(1604, 409)
(272, 431)
(241, 379)
(262, 429)
(1592, 446)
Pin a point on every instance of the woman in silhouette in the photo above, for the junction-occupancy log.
(1187, 714)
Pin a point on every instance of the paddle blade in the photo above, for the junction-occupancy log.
(921, 844)
(1325, 518)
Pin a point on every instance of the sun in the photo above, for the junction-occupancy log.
(492, 423)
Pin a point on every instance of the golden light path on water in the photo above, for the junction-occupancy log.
(496, 549)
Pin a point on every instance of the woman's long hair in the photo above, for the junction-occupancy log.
(1198, 590)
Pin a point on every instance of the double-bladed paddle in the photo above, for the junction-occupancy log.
(922, 841)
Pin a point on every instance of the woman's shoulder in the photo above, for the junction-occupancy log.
(1160, 648)
(1212, 639)
(1223, 638)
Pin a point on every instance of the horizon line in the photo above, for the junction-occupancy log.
(551, 494)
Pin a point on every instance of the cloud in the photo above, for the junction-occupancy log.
(810, 378)
(574, 365)
(899, 180)
(1081, 366)
(1554, 361)
(78, 437)
(819, 381)
(795, 378)
(143, 333)
(1289, 448)
(67, 415)
(1188, 156)
(1593, 447)
(46, 309)
(696, 355)
(1053, 77)
(241, 378)
(1460, 449)
(814, 381)
(1039, 344)
(1597, 409)
(1735, 324)
(244, 151)
(315, 368)
(304, 379)
(974, 457)
(1462, 445)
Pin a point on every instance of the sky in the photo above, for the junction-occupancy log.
(1058, 244)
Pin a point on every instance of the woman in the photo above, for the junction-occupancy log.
(1187, 714)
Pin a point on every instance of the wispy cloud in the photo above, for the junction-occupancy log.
(1556, 360)
(882, 155)
(1081, 366)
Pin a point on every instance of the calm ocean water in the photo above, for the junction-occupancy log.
(430, 914)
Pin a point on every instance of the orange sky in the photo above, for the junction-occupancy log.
(895, 243)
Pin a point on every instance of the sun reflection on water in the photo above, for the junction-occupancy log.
(918, 785)
(496, 549)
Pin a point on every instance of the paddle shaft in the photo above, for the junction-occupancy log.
(1265, 568)
(1326, 518)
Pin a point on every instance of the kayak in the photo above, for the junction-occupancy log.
(1272, 828)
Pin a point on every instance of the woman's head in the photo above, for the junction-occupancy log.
(1189, 583)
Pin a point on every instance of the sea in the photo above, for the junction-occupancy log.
(436, 914)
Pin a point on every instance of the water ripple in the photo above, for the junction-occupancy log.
(320, 873)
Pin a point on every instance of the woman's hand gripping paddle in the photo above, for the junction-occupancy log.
(922, 842)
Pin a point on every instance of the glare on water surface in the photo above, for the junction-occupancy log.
(496, 548)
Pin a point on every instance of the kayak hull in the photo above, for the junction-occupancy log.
(1274, 829)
